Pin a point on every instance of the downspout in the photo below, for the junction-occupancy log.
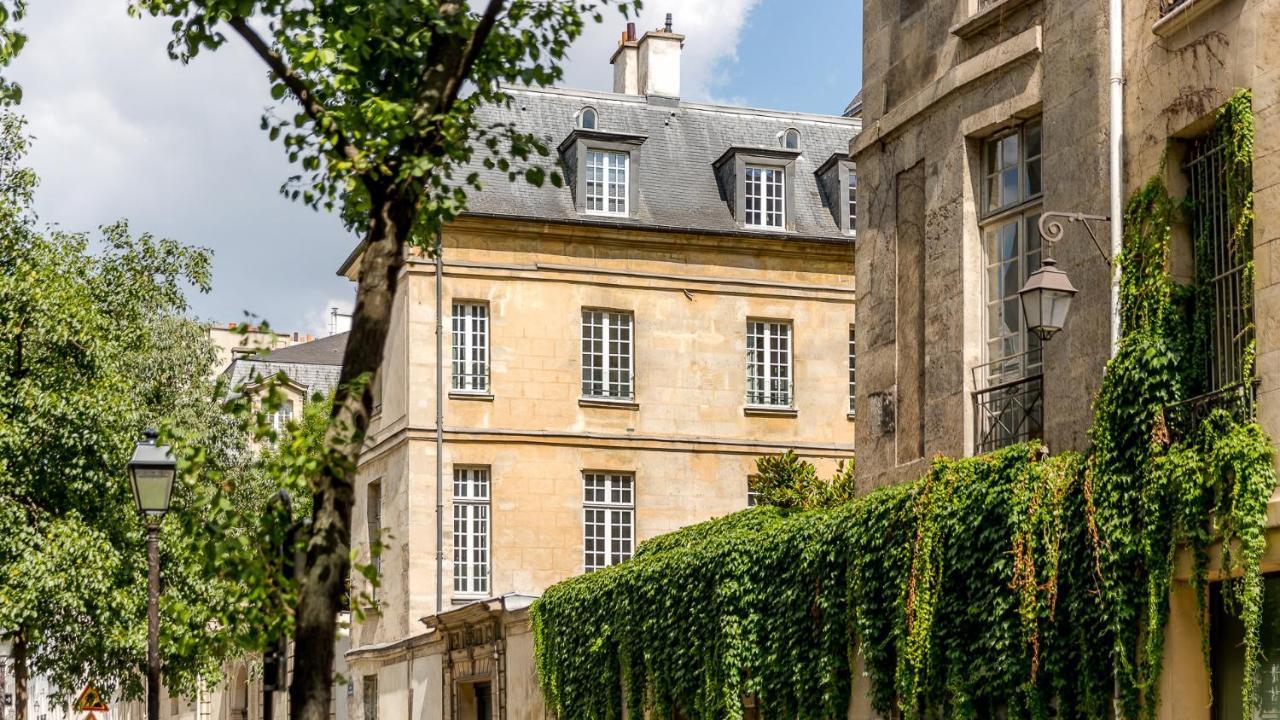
(439, 424)
(1115, 21)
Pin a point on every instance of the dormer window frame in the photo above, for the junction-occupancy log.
(574, 151)
(732, 166)
(786, 139)
(583, 114)
(834, 177)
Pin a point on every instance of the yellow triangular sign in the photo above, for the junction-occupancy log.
(89, 716)
(90, 701)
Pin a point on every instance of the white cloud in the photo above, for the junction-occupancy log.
(711, 29)
(323, 322)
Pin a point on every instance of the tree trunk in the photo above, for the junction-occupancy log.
(324, 580)
(20, 676)
(4, 686)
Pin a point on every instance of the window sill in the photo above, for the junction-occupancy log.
(765, 228)
(467, 599)
(616, 404)
(769, 411)
(470, 395)
(986, 17)
(1181, 16)
(601, 213)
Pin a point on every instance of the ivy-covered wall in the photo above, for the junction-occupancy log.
(1009, 582)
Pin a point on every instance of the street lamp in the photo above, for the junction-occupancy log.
(151, 473)
(1046, 298)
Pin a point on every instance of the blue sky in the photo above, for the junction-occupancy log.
(123, 132)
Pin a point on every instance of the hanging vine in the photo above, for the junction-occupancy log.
(1009, 584)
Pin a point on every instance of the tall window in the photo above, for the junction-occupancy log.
(373, 515)
(853, 368)
(764, 203)
(769, 363)
(606, 354)
(607, 182)
(1008, 402)
(471, 530)
(753, 495)
(608, 501)
(853, 200)
(470, 346)
(1225, 262)
(1226, 649)
(370, 692)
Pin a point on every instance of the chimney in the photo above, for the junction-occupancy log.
(625, 61)
(649, 66)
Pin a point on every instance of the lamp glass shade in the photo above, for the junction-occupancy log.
(1046, 300)
(152, 488)
(151, 474)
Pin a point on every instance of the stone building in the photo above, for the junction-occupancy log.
(617, 354)
(233, 344)
(981, 117)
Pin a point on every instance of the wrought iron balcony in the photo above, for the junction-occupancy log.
(1008, 412)
(1183, 419)
(1168, 6)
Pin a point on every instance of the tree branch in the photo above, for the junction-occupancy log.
(296, 85)
(471, 52)
(454, 64)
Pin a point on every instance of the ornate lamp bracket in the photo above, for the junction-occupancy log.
(1051, 229)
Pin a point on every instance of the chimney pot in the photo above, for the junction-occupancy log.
(631, 32)
(667, 26)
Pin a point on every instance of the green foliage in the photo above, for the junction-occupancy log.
(1010, 584)
(94, 346)
(787, 481)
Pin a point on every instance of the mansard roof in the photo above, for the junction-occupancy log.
(675, 173)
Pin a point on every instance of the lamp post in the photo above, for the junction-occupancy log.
(151, 473)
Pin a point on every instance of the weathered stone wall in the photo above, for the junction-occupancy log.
(939, 77)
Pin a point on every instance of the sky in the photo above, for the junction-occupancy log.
(121, 131)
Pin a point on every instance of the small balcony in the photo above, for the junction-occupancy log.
(1010, 409)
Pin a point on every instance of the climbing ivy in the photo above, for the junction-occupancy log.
(1014, 584)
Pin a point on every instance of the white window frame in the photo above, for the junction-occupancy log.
(608, 351)
(764, 197)
(770, 377)
(853, 369)
(279, 419)
(753, 495)
(470, 360)
(608, 518)
(472, 530)
(851, 201)
(608, 182)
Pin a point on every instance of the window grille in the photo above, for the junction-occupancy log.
(768, 363)
(370, 693)
(764, 202)
(606, 355)
(471, 531)
(373, 516)
(1008, 398)
(1231, 327)
(279, 419)
(608, 519)
(853, 367)
(607, 182)
(470, 347)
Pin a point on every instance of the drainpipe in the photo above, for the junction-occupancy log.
(1115, 20)
(439, 424)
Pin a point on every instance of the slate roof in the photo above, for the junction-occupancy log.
(315, 365)
(677, 181)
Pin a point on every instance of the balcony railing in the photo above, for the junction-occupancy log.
(1008, 412)
(1168, 6)
(1183, 419)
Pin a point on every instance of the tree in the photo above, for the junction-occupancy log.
(94, 346)
(382, 132)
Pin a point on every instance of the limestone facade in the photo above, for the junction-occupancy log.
(944, 82)
(694, 277)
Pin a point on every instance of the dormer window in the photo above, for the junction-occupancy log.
(607, 182)
(791, 139)
(601, 169)
(838, 181)
(759, 186)
(587, 119)
(765, 205)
